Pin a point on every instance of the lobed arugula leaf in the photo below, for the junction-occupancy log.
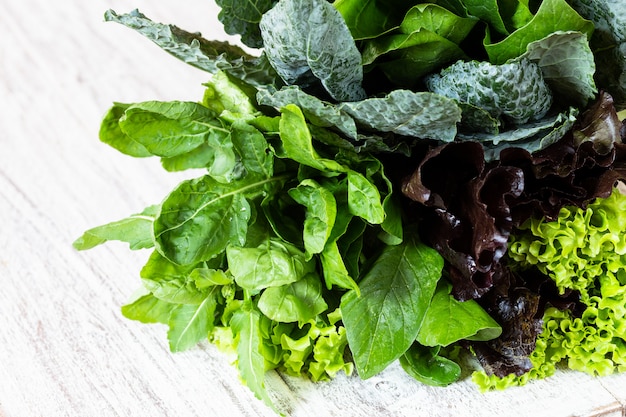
(169, 129)
(245, 325)
(135, 230)
(383, 322)
(111, 133)
(191, 323)
(307, 41)
(202, 216)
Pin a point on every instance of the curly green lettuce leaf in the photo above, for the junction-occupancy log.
(308, 41)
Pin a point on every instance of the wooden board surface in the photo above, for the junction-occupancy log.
(65, 349)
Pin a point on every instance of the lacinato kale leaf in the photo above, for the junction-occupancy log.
(243, 17)
(308, 41)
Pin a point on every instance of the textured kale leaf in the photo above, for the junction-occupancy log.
(242, 17)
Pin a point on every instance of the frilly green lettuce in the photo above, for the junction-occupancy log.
(582, 250)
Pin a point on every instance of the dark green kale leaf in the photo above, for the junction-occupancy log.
(243, 17)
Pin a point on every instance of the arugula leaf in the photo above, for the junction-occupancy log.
(191, 323)
(383, 322)
(245, 325)
(202, 216)
(308, 40)
(422, 114)
(242, 17)
(168, 128)
(135, 230)
(111, 133)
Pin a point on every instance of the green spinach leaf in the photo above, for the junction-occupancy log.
(383, 322)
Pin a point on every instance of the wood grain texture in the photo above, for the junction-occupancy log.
(65, 349)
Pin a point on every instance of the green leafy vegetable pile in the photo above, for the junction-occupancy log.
(389, 180)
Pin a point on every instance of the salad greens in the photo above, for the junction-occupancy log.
(387, 180)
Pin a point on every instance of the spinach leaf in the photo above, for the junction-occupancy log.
(383, 322)
(135, 230)
(298, 143)
(364, 198)
(271, 264)
(448, 320)
(308, 40)
(170, 282)
(552, 16)
(428, 38)
(299, 301)
(367, 18)
(321, 210)
(427, 366)
(169, 128)
(242, 17)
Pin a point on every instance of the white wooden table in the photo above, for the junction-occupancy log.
(65, 349)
